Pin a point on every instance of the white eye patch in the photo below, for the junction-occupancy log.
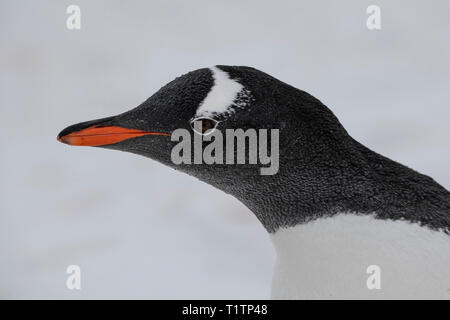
(225, 95)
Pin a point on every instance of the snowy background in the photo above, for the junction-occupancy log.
(138, 229)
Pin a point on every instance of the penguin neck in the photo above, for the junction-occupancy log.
(353, 178)
(308, 186)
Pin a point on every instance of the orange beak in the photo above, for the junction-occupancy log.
(103, 135)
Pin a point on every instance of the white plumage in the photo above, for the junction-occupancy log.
(328, 259)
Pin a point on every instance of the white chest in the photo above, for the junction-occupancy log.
(329, 259)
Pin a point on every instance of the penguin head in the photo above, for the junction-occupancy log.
(322, 170)
(209, 99)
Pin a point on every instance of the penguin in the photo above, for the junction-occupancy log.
(345, 221)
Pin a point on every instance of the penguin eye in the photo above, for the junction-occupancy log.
(203, 126)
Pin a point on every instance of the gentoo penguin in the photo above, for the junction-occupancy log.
(345, 221)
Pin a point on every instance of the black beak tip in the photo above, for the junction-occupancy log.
(63, 133)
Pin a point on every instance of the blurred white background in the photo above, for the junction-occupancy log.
(141, 230)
